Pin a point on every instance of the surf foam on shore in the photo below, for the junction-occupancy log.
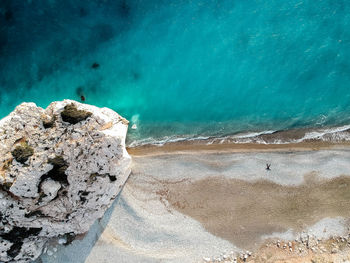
(339, 134)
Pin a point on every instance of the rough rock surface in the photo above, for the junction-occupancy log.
(60, 169)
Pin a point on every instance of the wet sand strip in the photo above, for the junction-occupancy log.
(242, 212)
(196, 146)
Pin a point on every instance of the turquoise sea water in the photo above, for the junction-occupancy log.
(184, 68)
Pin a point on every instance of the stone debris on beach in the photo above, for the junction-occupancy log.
(232, 257)
(306, 245)
(60, 168)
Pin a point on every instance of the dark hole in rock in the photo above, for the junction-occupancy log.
(15, 249)
(58, 172)
(16, 236)
(59, 163)
(34, 213)
(94, 176)
(112, 178)
(69, 237)
(19, 233)
(72, 115)
(5, 186)
(22, 152)
(82, 199)
(49, 123)
(83, 193)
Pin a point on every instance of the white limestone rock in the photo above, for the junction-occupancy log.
(60, 169)
(50, 189)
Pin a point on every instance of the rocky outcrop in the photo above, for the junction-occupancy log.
(60, 169)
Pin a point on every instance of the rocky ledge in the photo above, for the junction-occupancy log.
(60, 169)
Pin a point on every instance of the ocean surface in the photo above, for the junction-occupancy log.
(183, 69)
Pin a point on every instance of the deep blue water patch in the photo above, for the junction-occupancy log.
(182, 67)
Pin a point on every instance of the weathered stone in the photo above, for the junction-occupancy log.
(48, 190)
(22, 152)
(72, 115)
(58, 172)
(48, 122)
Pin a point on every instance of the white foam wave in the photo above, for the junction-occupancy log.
(332, 134)
(252, 134)
(164, 140)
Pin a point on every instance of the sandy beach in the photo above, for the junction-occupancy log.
(197, 203)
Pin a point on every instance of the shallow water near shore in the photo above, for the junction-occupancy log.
(182, 69)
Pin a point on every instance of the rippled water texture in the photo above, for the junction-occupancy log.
(182, 67)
